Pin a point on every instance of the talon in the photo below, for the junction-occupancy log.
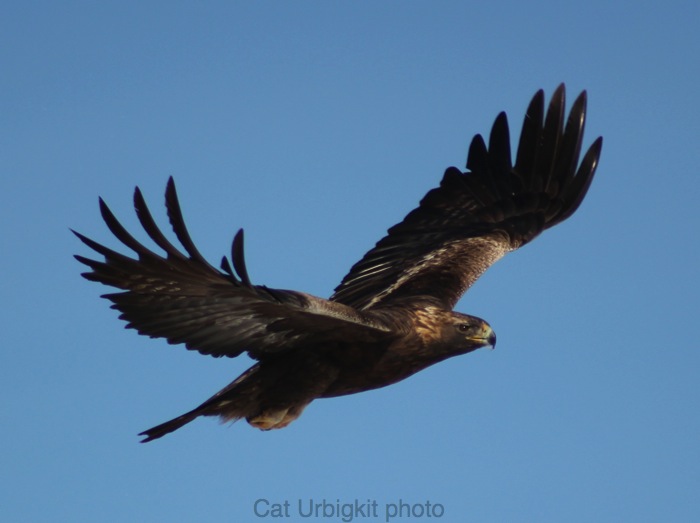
(269, 419)
(275, 418)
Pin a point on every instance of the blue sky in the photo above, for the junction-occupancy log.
(316, 126)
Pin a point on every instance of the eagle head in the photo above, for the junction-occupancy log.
(466, 333)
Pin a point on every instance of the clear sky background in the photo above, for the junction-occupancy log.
(316, 126)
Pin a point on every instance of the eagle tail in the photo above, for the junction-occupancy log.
(169, 426)
(233, 402)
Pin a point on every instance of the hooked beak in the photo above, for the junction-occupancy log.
(486, 336)
(492, 339)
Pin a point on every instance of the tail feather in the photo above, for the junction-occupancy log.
(233, 402)
(169, 426)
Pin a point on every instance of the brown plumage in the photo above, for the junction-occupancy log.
(391, 316)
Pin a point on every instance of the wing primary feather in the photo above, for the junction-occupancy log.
(226, 266)
(575, 127)
(477, 162)
(122, 234)
(551, 136)
(579, 187)
(529, 140)
(499, 153)
(478, 156)
(570, 149)
(172, 205)
(101, 249)
(93, 264)
(149, 225)
(238, 257)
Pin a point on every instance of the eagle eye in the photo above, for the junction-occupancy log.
(463, 327)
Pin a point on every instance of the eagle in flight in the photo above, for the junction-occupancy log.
(391, 316)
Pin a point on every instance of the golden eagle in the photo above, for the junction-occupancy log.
(391, 316)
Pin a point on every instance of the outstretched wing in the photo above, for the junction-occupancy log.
(464, 226)
(184, 299)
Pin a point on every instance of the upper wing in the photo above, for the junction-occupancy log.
(186, 300)
(462, 227)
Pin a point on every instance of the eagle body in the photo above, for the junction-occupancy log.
(390, 317)
(275, 391)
